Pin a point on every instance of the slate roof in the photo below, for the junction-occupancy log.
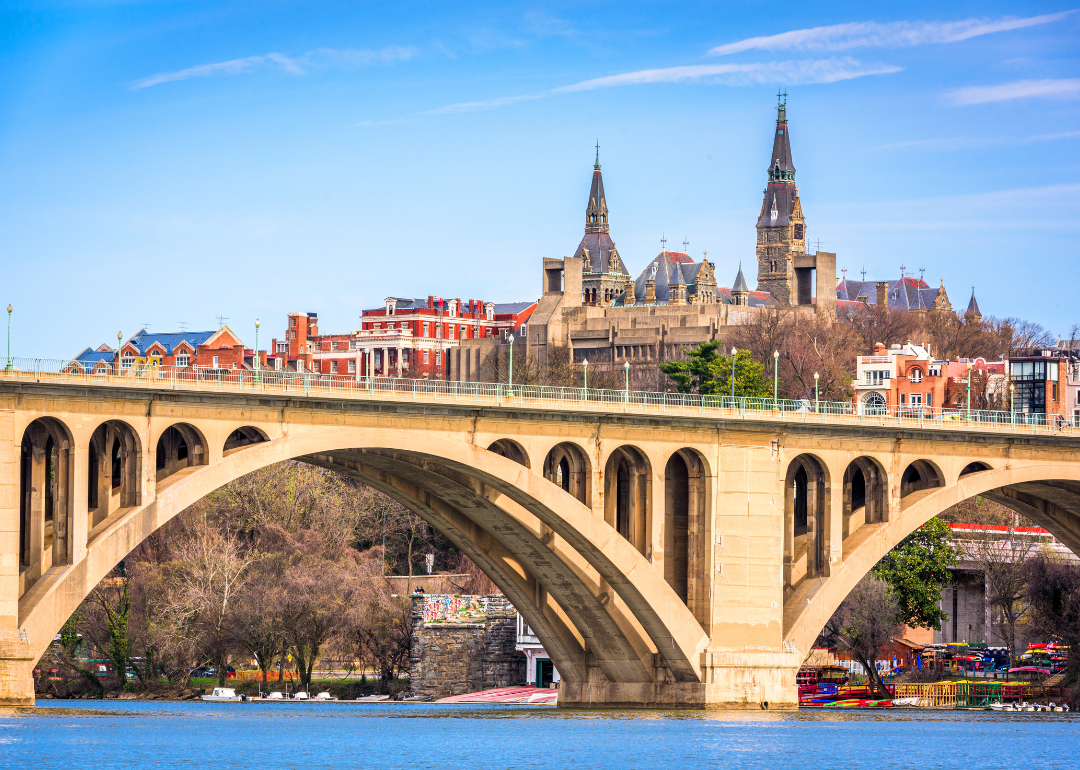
(667, 268)
(512, 308)
(600, 248)
(756, 299)
(903, 293)
(781, 148)
(782, 197)
(90, 356)
(143, 340)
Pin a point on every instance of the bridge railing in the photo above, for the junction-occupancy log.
(147, 374)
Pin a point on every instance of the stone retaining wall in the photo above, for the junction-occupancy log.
(463, 644)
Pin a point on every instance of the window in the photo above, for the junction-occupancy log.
(316, 366)
(877, 376)
(376, 326)
(425, 353)
(352, 366)
(182, 359)
(916, 399)
(281, 347)
(425, 329)
(929, 399)
(216, 363)
(438, 331)
(333, 346)
(935, 371)
(438, 358)
(451, 333)
(915, 375)
(292, 321)
(333, 367)
(278, 363)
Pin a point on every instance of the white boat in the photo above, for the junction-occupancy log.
(998, 707)
(300, 695)
(276, 695)
(222, 694)
(324, 696)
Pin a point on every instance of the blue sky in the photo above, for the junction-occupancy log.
(177, 161)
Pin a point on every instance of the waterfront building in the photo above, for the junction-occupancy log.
(539, 670)
(221, 349)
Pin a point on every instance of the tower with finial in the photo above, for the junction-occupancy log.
(603, 275)
(781, 228)
(740, 293)
(972, 313)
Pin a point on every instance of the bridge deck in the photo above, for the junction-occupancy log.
(272, 382)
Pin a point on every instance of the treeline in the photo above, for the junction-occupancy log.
(285, 566)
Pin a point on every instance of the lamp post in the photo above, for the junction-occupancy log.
(733, 352)
(1012, 403)
(9, 308)
(119, 340)
(626, 389)
(969, 392)
(510, 388)
(585, 376)
(817, 394)
(257, 324)
(775, 376)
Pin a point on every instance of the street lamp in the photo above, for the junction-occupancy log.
(510, 388)
(585, 376)
(969, 392)
(119, 340)
(8, 367)
(1012, 403)
(257, 325)
(775, 376)
(733, 351)
(817, 394)
(626, 368)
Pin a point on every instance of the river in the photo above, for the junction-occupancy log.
(92, 734)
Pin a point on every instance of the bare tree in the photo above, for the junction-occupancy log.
(1002, 559)
(317, 597)
(255, 620)
(867, 620)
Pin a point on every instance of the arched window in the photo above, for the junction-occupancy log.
(915, 375)
(874, 403)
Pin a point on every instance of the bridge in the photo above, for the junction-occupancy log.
(668, 550)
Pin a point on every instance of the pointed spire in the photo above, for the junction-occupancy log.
(596, 213)
(740, 282)
(781, 167)
(973, 307)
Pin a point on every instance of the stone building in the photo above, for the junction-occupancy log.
(463, 644)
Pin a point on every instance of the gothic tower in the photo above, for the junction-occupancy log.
(603, 276)
(781, 229)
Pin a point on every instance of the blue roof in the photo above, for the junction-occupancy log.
(143, 340)
(91, 356)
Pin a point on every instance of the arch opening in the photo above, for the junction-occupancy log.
(866, 494)
(180, 446)
(511, 450)
(683, 535)
(975, 467)
(244, 436)
(567, 466)
(45, 500)
(626, 496)
(806, 495)
(114, 469)
(920, 475)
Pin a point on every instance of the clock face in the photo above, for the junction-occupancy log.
(798, 232)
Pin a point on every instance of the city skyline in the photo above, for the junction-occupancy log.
(246, 161)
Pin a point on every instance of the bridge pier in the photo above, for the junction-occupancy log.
(16, 671)
(733, 680)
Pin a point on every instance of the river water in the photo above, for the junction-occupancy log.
(92, 734)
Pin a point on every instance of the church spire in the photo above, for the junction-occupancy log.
(596, 213)
(781, 168)
(972, 311)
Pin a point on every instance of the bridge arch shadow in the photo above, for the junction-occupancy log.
(511, 450)
(567, 466)
(627, 492)
(566, 569)
(1049, 495)
(180, 446)
(686, 503)
(806, 503)
(46, 500)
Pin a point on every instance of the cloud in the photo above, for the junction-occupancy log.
(318, 58)
(789, 72)
(973, 142)
(868, 34)
(1065, 88)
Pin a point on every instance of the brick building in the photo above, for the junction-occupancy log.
(903, 375)
(406, 337)
(220, 349)
(1044, 382)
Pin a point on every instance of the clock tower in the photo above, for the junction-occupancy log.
(781, 229)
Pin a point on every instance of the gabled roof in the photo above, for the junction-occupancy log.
(904, 294)
(168, 341)
(89, 356)
(601, 250)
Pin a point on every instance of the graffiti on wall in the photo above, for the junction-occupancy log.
(444, 608)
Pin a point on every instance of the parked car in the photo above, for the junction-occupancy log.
(202, 672)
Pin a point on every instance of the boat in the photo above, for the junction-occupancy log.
(324, 696)
(276, 695)
(222, 694)
(300, 695)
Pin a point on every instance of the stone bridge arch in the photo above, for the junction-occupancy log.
(1049, 494)
(609, 618)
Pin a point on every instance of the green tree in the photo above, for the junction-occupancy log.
(707, 371)
(916, 571)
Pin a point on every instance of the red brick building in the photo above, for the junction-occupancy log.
(220, 349)
(404, 338)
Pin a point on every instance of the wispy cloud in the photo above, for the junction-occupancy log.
(975, 142)
(1064, 88)
(868, 34)
(789, 72)
(317, 58)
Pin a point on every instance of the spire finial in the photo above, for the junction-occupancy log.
(663, 243)
(686, 245)
(781, 104)
(597, 164)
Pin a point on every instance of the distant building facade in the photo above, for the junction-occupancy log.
(220, 349)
